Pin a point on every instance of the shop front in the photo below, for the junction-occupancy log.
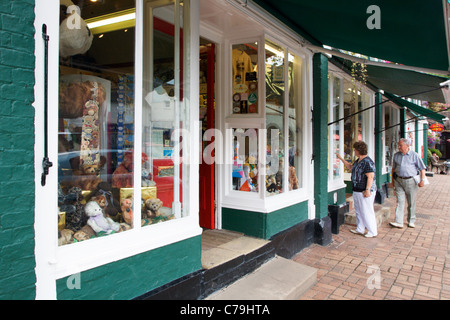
(120, 194)
(147, 145)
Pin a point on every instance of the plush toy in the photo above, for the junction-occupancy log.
(127, 210)
(147, 178)
(73, 97)
(65, 236)
(97, 220)
(88, 179)
(271, 183)
(153, 205)
(84, 233)
(123, 175)
(70, 204)
(293, 181)
(112, 208)
(74, 34)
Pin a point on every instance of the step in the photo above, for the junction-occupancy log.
(277, 279)
(381, 215)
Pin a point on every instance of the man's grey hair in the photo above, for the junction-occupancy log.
(405, 141)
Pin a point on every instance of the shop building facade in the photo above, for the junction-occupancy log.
(157, 120)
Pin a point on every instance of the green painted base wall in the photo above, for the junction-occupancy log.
(340, 196)
(129, 278)
(264, 225)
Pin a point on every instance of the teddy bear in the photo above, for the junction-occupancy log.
(153, 205)
(112, 208)
(88, 179)
(123, 175)
(127, 210)
(97, 220)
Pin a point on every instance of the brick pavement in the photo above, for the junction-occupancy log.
(399, 264)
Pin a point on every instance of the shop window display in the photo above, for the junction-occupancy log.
(295, 120)
(245, 78)
(335, 129)
(353, 125)
(275, 92)
(245, 160)
(97, 107)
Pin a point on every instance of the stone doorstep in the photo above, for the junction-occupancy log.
(381, 215)
(277, 279)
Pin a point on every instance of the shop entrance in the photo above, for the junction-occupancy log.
(206, 117)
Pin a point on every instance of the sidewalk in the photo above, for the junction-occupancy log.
(399, 264)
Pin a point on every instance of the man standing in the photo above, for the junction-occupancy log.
(407, 164)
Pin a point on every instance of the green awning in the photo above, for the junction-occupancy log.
(415, 85)
(412, 33)
(404, 83)
(415, 108)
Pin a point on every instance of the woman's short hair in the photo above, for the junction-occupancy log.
(361, 147)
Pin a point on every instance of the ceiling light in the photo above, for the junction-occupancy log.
(115, 21)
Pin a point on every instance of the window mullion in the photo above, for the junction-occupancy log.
(138, 115)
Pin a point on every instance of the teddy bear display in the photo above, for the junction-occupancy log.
(97, 220)
(89, 179)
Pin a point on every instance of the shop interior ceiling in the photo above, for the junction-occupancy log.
(412, 33)
(121, 42)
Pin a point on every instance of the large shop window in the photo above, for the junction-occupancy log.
(120, 153)
(357, 127)
(335, 112)
(390, 135)
(281, 156)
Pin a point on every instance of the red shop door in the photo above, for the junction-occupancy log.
(206, 170)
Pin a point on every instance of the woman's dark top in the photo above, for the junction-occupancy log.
(359, 178)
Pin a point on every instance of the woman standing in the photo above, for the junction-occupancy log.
(364, 189)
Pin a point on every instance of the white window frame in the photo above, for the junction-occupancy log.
(54, 262)
(257, 201)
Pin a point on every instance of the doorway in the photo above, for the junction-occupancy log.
(206, 117)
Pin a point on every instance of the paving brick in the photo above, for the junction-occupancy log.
(413, 264)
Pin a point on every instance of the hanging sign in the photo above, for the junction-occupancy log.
(437, 127)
